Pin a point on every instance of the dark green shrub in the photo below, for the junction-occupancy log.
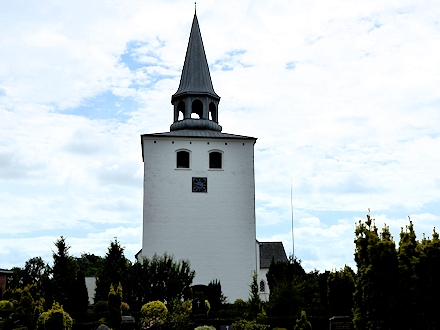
(54, 319)
(114, 306)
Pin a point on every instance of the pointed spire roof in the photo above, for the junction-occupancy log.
(195, 78)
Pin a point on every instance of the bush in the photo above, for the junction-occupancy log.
(154, 313)
(54, 319)
(6, 305)
(180, 318)
(302, 323)
(248, 325)
(205, 327)
(101, 306)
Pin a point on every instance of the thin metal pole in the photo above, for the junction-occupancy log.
(291, 209)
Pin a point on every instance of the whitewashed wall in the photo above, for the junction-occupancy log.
(215, 231)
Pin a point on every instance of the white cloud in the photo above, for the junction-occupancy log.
(342, 96)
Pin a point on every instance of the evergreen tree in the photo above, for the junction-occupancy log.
(254, 302)
(114, 306)
(63, 273)
(408, 302)
(340, 292)
(302, 323)
(375, 296)
(427, 273)
(80, 296)
(215, 295)
(114, 270)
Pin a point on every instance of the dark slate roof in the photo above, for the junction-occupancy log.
(197, 133)
(195, 74)
(269, 250)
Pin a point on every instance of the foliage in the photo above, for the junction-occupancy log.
(282, 272)
(205, 327)
(89, 264)
(28, 304)
(64, 273)
(180, 316)
(6, 305)
(340, 291)
(55, 319)
(248, 325)
(162, 278)
(79, 295)
(101, 306)
(396, 289)
(114, 306)
(302, 323)
(254, 302)
(114, 270)
(376, 283)
(215, 295)
(154, 313)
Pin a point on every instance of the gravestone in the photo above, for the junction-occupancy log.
(341, 323)
(199, 311)
(226, 327)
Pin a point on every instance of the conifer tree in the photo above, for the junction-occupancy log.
(114, 306)
(114, 270)
(63, 273)
(427, 272)
(340, 292)
(408, 255)
(376, 290)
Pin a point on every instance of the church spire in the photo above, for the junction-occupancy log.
(195, 94)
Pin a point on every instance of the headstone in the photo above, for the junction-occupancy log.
(199, 312)
(226, 327)
(128, 319)
(102, 327)
(341, 323)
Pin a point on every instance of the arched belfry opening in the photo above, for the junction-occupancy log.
(197, 108)
(180, 110)
(213, 112)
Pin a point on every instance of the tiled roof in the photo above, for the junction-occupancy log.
(269, 250)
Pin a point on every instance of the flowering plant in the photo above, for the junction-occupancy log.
(151, 323)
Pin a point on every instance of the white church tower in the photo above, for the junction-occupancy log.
(199, 191)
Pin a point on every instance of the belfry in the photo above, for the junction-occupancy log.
(199, 190)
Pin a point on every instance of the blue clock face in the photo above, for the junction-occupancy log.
(200, 185)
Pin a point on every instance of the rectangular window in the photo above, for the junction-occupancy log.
(215, 159)
(182, 159)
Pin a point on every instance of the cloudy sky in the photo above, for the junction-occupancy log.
(343, 97)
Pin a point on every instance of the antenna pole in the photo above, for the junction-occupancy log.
(291, 210)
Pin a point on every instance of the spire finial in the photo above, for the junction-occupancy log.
(195, 7)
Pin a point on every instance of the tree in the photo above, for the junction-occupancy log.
(302, 323)
(89, 264)
(427, 273)
(79, 296)
(64, 273)
(254, 302)
(340, 292)
(375, 296)
(162, 278)
(408, 255)
(114, 270)
(215, 295)
(114, 306)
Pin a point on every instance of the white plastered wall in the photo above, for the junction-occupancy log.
(215, 231)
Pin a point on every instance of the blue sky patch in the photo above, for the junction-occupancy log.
(105, 106)
(290, 65)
